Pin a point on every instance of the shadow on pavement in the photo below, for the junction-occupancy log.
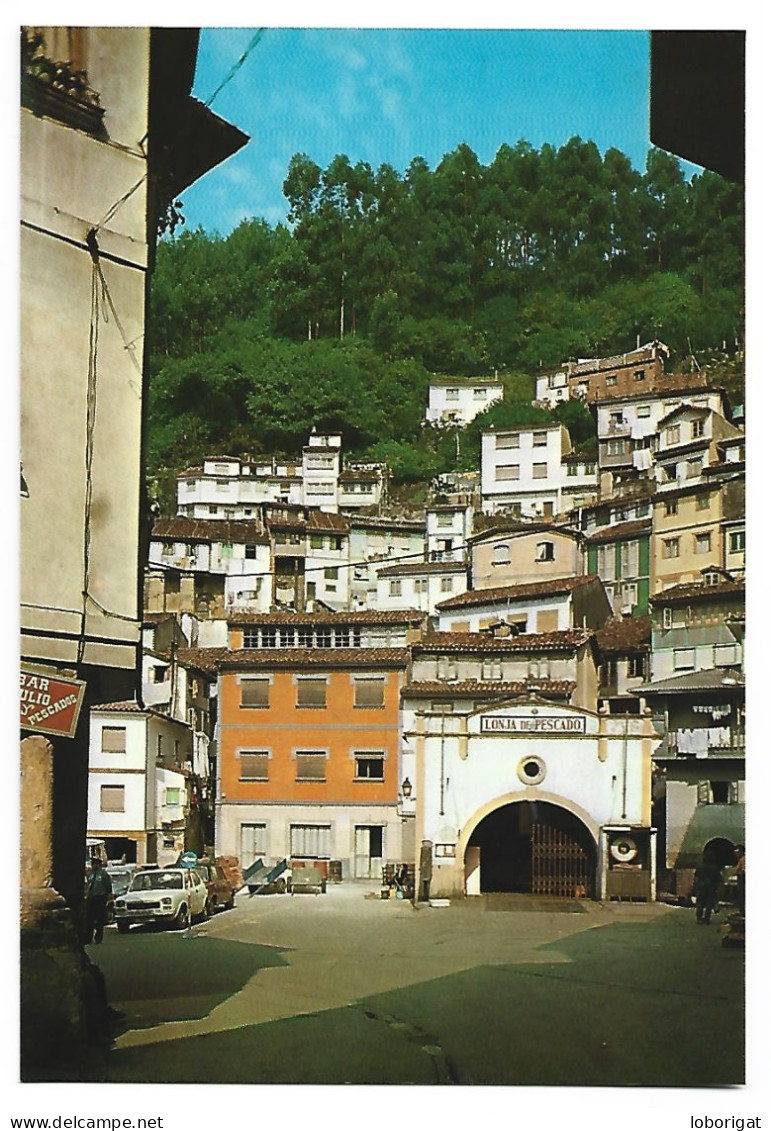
(656, 1004)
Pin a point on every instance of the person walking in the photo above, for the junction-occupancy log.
(98, 893)
(706, 882)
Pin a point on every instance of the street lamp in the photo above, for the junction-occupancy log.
(406, 789)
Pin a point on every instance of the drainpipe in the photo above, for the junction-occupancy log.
(441, 768)
(624, 768)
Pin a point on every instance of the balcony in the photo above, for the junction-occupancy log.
(679, 744)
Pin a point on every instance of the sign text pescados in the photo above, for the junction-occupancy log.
(49, 704)
(533, 724)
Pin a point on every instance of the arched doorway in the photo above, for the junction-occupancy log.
(722, 851)
(535, 847)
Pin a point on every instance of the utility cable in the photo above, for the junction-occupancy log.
(237, 65)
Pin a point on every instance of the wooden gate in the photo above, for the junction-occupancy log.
(560, 865)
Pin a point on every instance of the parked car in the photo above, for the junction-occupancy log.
(221, 892)
(173, 896)
(121, 876)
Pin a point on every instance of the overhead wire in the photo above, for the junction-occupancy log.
(237, 65)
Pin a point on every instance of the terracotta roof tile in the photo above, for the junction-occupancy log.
(621, 530)
(567, 641)
(314, 658)
(698, 592)
(324, 520)
(553, 587)
(208, 530)
(625, 634)
(410, 568)
(438, 689)
(359, 616)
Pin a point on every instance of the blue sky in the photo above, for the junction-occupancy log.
(388, 95)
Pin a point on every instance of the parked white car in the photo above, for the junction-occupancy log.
(162, 895)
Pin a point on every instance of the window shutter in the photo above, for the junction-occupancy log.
(311, 693)
(369, 692)
(312, 766)
(255, 693)
(113, 740)
(254, 765)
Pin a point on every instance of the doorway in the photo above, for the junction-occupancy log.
(368, 852)
(534, 847)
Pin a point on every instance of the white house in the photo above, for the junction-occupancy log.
(448, 527)
(420, 585)
(523, 471)
(137, 787)
(542, 606)
(376, 541)
(457, 400)
(688, 440)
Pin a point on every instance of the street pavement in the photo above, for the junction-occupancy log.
(348, 988)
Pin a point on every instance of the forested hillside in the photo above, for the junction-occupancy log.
(380, 279)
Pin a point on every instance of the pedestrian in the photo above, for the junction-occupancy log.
(706, 882)
(740, 873)
(98, 894)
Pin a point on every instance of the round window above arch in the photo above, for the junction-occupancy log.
(531, 770)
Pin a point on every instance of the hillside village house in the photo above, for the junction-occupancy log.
(457, 400)
(538, 606)
(511, 553)
(309, 739)
(231, 487)
(620, 555)
(375, 541)
(420, 585)
(206, 566)
(519, 784)
(625, 647)
(688, 441)
(592, 379)
(697, 526)
(448, 527)
(526, 472)
(627, 426)
(140, 785)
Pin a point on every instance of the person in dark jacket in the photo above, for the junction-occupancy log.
(98, 894)
(706, 882)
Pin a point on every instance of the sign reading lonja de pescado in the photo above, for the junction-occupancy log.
(533, 724)
(48, 704)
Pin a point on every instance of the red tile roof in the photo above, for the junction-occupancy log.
(359, 616)
(621, 530)
(464, 688)
(323, 520)
(698, 592)
(318, 658)
(423, 568)
(625, 634)
(569, 640)
(208, 530)
(551, 588)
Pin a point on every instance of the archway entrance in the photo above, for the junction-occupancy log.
(535, 847)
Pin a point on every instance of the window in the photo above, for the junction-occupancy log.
(323, 637)
(540, 470)
(253, 765)
(544, 552)
(540, 439)
(310, 841)
(616, 447)
(611, 381)
(670, 507)
(444, 520)
(113, 740)
(255, 693)
(702, 543)
(643, 411)
(502, 554)
(369, 692)
(616, 418)
(445, 585)
(112, 798)
(572, 469)
(320, 488)
(726, 655)
(684, 659)
(173, 796)
(506, 474)
(223, 485)
(286, 637)
(666, 618)
(697, 429)
(316, 542)
(421, 585)
(492, 669)
(254, 843)
(702, 502)
(453, 394)
(736, 541)
(671, 547)
(507, 440)
(369, 767)
(250, 552)
(311, 765)
(635, 667)
(311, 692)
(395, 588)
(672, 434)
(330, 574)
(480, 394)
(639, 374)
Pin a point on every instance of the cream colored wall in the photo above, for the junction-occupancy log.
(685, 525)
(523, 567)
(69, 183)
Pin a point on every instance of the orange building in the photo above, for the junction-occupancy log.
(309, 747)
